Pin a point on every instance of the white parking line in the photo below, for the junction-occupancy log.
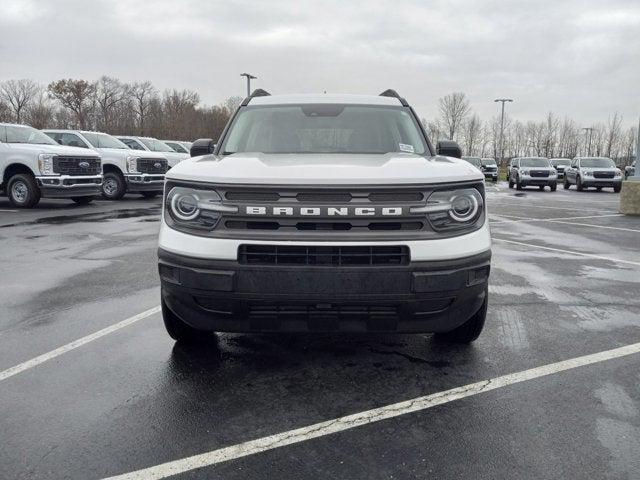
(529, 219)
(535, 206)
(599, 257)
(34, 362)
(6, 210)
(365, 418)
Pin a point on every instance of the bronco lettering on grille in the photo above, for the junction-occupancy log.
(325, 211)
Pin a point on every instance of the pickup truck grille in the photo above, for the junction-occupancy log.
(152, 165)
(323, 256)
(77, 165)
(603, 174)
(539, 173)
(491, 168)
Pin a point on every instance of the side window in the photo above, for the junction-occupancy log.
(55, 136)
(574, 163)
(71, 140)
(3, 134)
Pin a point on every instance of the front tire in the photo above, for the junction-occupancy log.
(518, 184)
(83, 200)
(179, 330)
(23, 191)
(553, 187)
(510, 182)
(617, 188)
(566, 184)
(471, 329)
(579, 184)
(113, 186)
(541, 187)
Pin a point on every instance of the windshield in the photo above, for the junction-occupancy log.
(324, 128)
(25, 134)
(597, 162)
(488, 161)
(476, 162)
(156, 145)
(102, 140)
(176, 147)
(534, 162)
(561, 161)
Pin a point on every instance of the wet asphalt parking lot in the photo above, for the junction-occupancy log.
(124, 399)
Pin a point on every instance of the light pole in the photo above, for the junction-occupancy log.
(502, 100)
(588, 130)
(249, 78)
(636, 174)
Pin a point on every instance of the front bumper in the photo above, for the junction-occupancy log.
(601, 182)
(492, 175)
(226, 296)
(144, 182)
(69, 186)
(526, 180)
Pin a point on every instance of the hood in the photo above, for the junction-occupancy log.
(324, 169)
(55, 149)
(172, 157)
(121, 153)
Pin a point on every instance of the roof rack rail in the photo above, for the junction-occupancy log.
(258, 92)
(392, 93)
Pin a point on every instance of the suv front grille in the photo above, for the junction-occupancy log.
(152, 165)
(603, 174)
(71, 165)
(539, 173)
(323, 256)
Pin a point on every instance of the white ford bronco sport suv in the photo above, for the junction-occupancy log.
(324, 213)
(32, 166)
(124, 171)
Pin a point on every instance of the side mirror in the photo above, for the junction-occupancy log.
(448, 148)
(202, 146)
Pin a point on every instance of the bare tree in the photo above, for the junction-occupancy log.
(110, 92)
(232, 104)
(5, 112)
(614, 126)
(142, 94)
(40, 113)
(471, 134)
(18, 94)
(454, 109)
(77, 96)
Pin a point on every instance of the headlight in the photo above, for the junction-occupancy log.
(45, 163)
(618, 172)
(524, 171)
(132, 164)
(194, 208)
(587, 173)
(453, 209)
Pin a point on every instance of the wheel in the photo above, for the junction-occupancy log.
(599, 189)
(510, 182)
(471, 329)
(178, 330)
(617, 188)
(541, 187)
(518, 185)
(83, 200)
(553, 186)
(579, 184)
(23, 191)
(566, 184)
(113, 186)
(149, 194)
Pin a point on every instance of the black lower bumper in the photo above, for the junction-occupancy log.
(226, 296)
(69, 186)
(602, 183)
(145, 183)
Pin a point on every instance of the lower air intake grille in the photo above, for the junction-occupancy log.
(322, 256)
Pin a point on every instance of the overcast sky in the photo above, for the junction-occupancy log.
(576, 58)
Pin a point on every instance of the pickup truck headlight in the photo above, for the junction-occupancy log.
(132, 164)
(45, 163)
(587, 173)
(193, 208)
(618, 172)
(524, 171)
(453, 209)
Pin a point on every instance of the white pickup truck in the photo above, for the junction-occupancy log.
(32, 166)
(149, 144)
(124, 171)
(324, 213)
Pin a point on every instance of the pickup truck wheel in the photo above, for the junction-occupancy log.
(113, 186)
(599, 189)
(23, 191)
(510, 182)
(566, 184)
(83, 200)
(180, 331)
(541, 187)
(149, 194)
(518, 185)
(579, 184)
(471, 329)
(617, 188)
(553, 187)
